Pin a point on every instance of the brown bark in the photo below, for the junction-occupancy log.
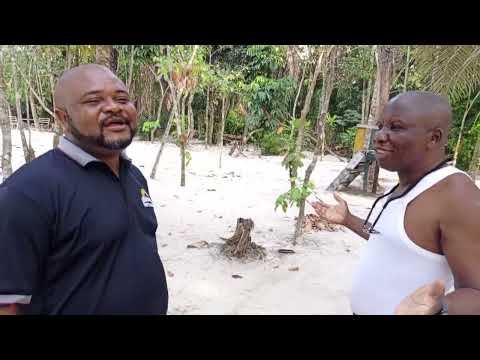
(240, 245)
(162, 144)
(222, 129)
(34, 110)
(28, 152)
(303, 115)
(329, 73)
(191, 124)
(211, 122)
(107, 56)
(6, 160)
(130, 70)
(206, 117)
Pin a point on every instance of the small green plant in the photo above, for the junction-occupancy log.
(294, 196)
(273, 144)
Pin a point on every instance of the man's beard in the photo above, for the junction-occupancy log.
(100, 140)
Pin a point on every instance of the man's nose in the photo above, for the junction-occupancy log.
(111, 106)
(380, 136)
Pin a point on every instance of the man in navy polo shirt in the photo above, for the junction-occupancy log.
(77, 226)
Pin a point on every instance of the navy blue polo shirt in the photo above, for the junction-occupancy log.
(77, 239)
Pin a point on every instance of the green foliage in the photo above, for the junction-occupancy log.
(273, 144)
(268, 101)
(347, 139)
(234, 123)
(149, 125)
(294, 196)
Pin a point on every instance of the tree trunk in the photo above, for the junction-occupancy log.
(407, 65)
(222, 129)
(473, 167)
(206, 117)
(379, 99)
(329, 73)
(130, 70)
(34, 110)
(299, 91)
(191, 124)
(293, 63)
(162, 144)
(27, 151)
(68, 56)
(6, 162)
(212, 121)
(107, 56)
(303, 115)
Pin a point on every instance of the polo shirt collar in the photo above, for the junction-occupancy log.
(79, 155)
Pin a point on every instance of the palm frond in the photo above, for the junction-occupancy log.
(451, 70)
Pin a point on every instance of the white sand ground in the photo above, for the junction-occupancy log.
(200, 280)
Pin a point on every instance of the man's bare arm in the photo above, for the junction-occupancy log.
(355, 224)
(460, 228)
(10, 309)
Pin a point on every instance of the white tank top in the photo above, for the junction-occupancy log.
(391, 265)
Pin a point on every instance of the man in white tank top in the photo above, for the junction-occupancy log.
(423, 249)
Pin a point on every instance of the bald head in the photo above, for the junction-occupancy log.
(75, 79)
(426, 108)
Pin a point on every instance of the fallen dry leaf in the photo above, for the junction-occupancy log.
(198, 245)
(296, 268)
(169, 273)
(237, 276)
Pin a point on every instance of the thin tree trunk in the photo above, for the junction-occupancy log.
(407, 65)
(363, 100)
(308, 101)
(182, 159)
(6, 162)
(212, 121)
(68, 56)
(206, 117)
(303, 115)
(473, 167)
(294, 110)
(162, 144)
(460, 133)
(34, 110)
(27, 153)
(40, 101)
(130, 70)
(191, 124)
(329, 74)
(222, 129)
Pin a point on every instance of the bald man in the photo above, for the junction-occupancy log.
(78, 227)
(423, 249)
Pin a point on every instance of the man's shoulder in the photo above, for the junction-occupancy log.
(137, 173)
(36, 178)
(457, 194)
(38, 169)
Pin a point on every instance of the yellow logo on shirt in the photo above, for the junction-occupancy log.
(146, 199)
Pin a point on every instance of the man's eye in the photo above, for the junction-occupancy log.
(93, 101)
(123, 100)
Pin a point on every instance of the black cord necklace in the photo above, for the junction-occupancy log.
(371, 229)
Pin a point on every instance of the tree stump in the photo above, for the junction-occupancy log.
(240, 245)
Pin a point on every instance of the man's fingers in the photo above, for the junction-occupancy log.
(338, 198)
(437, 289)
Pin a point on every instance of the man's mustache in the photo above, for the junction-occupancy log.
(115, 120)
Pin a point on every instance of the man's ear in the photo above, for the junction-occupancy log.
(61, 118)
(437, 137)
